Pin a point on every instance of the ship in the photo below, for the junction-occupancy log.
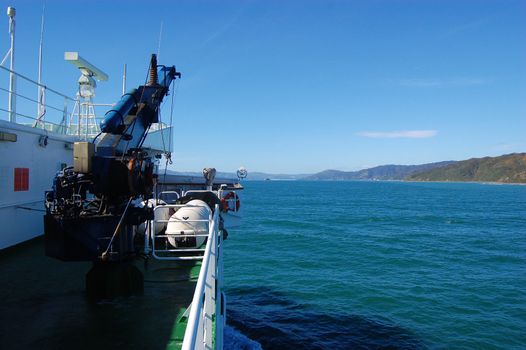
(81, 266)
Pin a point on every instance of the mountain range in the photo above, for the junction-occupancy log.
(382, 172)
(252, 176)
(509, 168)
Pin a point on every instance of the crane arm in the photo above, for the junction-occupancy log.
(126, 124)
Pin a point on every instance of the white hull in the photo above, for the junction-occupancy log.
(21, 211)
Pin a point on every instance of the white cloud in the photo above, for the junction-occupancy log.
(468, 26)
(440, 83)
(409, 134)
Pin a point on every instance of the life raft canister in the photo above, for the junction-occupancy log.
(227, 202)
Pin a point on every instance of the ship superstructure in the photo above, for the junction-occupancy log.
(34, 145)
(38, 127)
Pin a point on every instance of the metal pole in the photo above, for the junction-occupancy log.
(12, 78)
(65, 116)
(87, 118)
(124, 80)
(40, 95)
(160, 38)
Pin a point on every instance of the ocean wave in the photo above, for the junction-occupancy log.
(355, 265)
(235, 340)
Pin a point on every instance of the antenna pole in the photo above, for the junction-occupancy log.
(160, 38)
(40, 47)
(124, 80)
(12, 78)
(40, 107)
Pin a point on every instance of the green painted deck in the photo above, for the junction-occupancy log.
(43, 305)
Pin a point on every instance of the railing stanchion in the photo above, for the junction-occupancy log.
(64, 115)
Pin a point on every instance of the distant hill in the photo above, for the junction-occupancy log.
(264, 176)
(252, 176)
(509, 168)
(219, 174)
(383, 172)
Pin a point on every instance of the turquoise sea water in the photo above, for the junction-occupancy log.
(340, 265)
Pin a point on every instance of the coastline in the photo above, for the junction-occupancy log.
(470, 182)
(387, 180)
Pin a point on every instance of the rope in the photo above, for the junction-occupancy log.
(174, 92)
(32, 209)
(140, 99)
(96, 137)
(105, 254)
(168, 155)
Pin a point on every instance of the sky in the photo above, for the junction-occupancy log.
(302, 86)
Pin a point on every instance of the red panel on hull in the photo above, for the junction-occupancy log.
(21, 179)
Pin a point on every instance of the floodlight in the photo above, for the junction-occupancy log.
(11, 12)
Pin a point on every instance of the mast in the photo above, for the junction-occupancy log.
(40, 97)
(12, 78)
(124, 80)
(83, 110)
(160, 38)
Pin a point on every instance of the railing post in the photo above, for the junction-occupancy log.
(147, 237)
(65, 116)
(210, 289)
(12, 98)
(220, 317)
(201, 329)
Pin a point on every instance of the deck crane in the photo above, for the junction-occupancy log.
(93, 206)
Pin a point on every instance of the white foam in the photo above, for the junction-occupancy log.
(235, 340)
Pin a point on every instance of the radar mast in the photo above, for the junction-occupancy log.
(83, 122)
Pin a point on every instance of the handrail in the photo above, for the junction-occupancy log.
(57, 106)
(152, 235)
(32, 118)
(185, 193)
(198, 313)
(34, 82)
(167, 192)
(32, 100)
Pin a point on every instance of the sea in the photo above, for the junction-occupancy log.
(377, 265)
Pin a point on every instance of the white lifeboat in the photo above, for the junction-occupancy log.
(190, 220)
(160, 214)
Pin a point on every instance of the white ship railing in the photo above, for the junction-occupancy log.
(205, 308)
(208, 308)
(174, 254)
(38, 113)
(231, 202)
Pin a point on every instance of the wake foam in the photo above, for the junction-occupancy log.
(235, 340)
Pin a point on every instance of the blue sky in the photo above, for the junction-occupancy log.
(303, 86)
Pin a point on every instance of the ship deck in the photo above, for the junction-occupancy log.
(43, 304)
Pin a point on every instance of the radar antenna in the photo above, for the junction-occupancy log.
(83, 121)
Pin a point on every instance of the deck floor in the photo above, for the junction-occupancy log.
(43, 305)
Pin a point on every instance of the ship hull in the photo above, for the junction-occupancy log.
(27, 168)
